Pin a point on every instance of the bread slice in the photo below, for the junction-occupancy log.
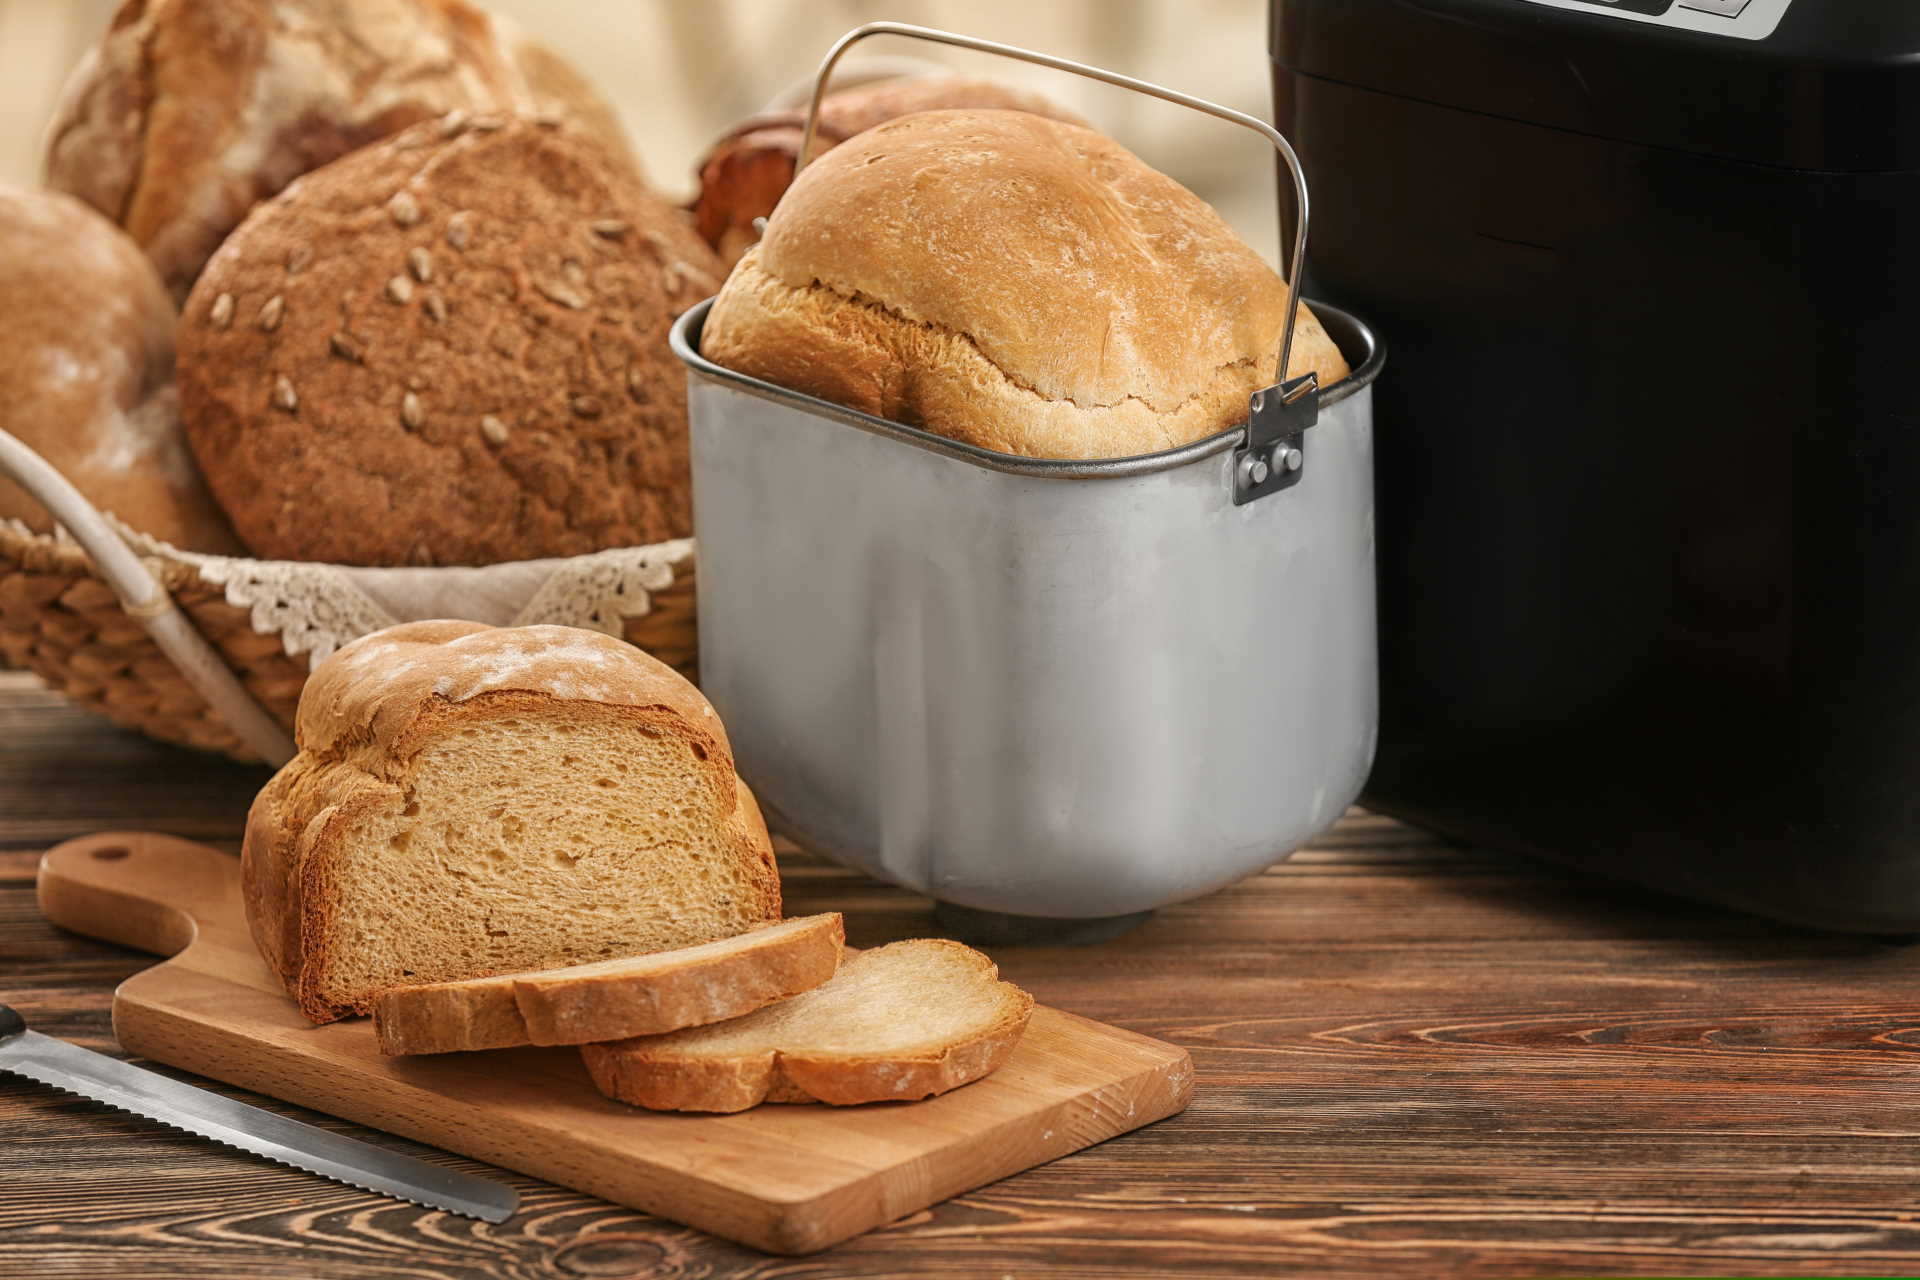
(471, 800)
(641, 996)
(907, 1020)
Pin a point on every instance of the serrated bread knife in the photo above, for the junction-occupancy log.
(150, 1094)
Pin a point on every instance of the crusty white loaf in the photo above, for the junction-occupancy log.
(614, 999)
(470, 800)
(899, 1022)
(188, 111)
(86, 372)
(1013, 282)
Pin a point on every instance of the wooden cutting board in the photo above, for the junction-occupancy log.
(789, 1179)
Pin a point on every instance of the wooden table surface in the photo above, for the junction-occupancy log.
(1412, 1060)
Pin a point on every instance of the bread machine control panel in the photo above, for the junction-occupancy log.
(1740, 19)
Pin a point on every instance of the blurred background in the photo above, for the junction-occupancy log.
(681, 71)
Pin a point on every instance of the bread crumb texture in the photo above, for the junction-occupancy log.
(448, 348)
(614, 999)
(471, 800)
(1014, 282)
(907, 1020)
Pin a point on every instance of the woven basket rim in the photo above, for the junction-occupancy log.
(46, 552)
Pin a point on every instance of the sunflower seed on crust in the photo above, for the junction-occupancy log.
(220, 314)
(403, 208)
(297, 260)
(348, 347)
(493, 429)
(399, 289)
(562, 294)
(284, 396)
(460, 229)
(270, 312)
(420, 262)
(611, 228)
(411, 415)
(585, 406)
(436, 307)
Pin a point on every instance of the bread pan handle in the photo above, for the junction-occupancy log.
(146, 601)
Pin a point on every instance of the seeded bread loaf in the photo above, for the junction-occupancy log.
(86, 372)
(471, 800)
(613, 999)
(1013, 282)
(903, 1021)
(743, 176)
(189, 111)
(447, 348)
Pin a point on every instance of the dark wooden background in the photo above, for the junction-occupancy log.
(1412, 1060)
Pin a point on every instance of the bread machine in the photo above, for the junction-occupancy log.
(1053, 695)
(1648, 547)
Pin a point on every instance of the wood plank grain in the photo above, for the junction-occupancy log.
(789, 1179)
(1412, 1060)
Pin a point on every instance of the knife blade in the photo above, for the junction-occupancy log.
(183, 1106)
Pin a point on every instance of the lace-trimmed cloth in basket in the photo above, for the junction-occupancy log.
(316, 608)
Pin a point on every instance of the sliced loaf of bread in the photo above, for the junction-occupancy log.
(614, 999)
(470, 800)
(903, 1021)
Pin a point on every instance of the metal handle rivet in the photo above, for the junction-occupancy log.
(1287, 459)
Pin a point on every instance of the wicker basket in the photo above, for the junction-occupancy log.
(148, 644)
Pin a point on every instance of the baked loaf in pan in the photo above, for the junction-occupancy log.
(470, 800)
(748, 168)
(899, 1022)
(86, 372)
(1012, 282)
(190, 111)
(448, 348)
(614, 999)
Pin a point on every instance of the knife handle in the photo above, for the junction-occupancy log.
(11, 1023)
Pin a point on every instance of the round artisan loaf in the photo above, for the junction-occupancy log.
(447, 348)
(743, 175)
(189, 111)
(86, 372)
(1013, 282)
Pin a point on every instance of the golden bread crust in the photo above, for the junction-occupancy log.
(1012, 282)
(613, 1000)
(369, 711)
(743, 175)
(653, 1072)
(86, 373)
(448, 348)
(187, 112)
